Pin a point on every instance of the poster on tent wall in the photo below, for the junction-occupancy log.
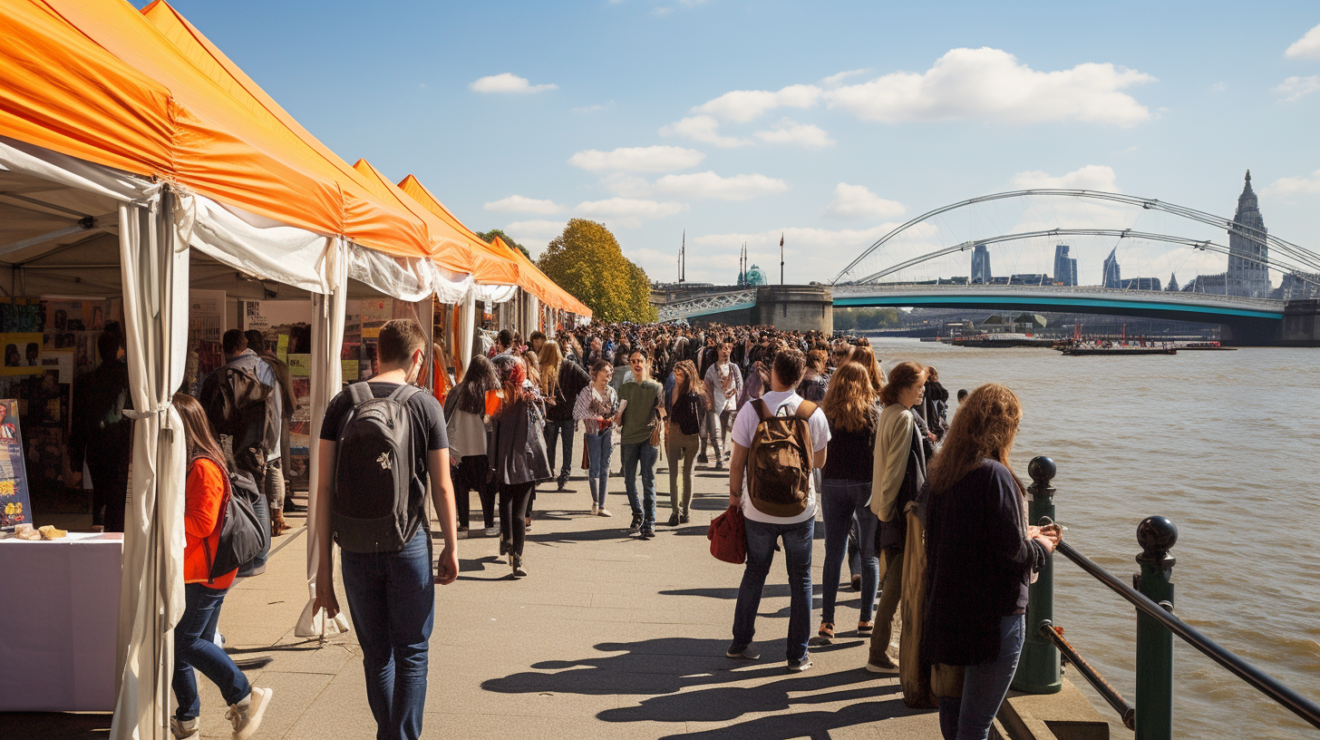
(286, 332)
(206, 326)
(15, 503)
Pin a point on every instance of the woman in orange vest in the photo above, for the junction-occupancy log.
(206, 499)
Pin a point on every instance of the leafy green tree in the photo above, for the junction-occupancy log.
(490, 236)
(865, 319)
(586, 260)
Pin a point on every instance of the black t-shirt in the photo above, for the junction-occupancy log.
(428, 434)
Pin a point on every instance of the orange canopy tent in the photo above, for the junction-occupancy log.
(492, 267)
(541, 286)
(101, 82)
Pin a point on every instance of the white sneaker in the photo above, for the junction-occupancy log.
(189, 730)
(246, 715)
(595, 509)
(604, 512)
(492, 531)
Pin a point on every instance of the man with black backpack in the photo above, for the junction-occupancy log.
(242, 402)
(777, 440)
(381, 442)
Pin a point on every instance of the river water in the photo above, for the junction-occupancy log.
(1227, 445)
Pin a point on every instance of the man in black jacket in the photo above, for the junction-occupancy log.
(102, 436)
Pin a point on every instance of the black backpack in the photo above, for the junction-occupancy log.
(369, 508)
(240, 406)
(242, 537)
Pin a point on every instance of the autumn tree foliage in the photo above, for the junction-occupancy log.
(586, 261)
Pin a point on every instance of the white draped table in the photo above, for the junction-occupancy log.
(59, 603)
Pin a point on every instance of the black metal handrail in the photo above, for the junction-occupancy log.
(1092, 676)
(1258, 679)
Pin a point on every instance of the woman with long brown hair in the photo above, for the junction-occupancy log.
(980, 556)
(864, 355)
(685, 407)
(206, 495)
(897, 471)
(853, 411)
(561, 382)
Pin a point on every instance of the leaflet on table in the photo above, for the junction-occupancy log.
(15, 502)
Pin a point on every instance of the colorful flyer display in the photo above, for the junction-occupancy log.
(15, 504)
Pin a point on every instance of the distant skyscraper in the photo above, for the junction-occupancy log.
(1112, 276)
(1065, 267)
(981, 265)
(1247, 252)
(1173, 283)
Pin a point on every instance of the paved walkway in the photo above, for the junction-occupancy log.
(609, 637)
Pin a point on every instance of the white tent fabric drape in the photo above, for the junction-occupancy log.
(326, 378)
(494, 293)
(155, 285)
(17, 156)
(405, 279)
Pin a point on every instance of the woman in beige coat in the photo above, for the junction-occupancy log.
(894, 481)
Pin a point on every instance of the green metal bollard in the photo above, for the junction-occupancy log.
(1038, 668)
(1154, 720)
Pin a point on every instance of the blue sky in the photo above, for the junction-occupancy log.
(853, 116)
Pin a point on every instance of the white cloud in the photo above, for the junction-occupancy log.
(522, 204)
(1307, 47)
(836, 79)
(629, 212)
(1294, 185)
(856, 201)
(704, 129)
(745, 105)
(991, 84)
(1296, 88)
(661, 12)
(711, 185)
(535, 233)
(1090, 177)
(507, 82)
(637, 159)
(801, 134)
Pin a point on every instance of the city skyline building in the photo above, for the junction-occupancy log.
(1247, 251)
(1065, 267)
(981, 265)
(1112, 276)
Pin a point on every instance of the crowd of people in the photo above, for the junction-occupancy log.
(926, 513)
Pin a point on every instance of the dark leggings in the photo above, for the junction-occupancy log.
(513, 507)
(471, 475)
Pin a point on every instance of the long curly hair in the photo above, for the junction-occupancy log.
(984, 427)
(865, 356)
(850, 398)
(691, 382)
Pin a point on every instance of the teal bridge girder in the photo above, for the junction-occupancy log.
(1204, 307)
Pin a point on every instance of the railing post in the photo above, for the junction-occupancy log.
(1156, 535)
(1038, 668)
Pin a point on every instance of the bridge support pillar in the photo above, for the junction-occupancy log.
(1301, 323)
(795, 307)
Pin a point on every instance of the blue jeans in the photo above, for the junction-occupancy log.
(391, 597)
(554, 430)
(599, 447)
(761, 539)
(646, 454)
(984, 686)
(194, 647)
(843, 503)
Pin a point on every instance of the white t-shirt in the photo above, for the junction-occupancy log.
(744, 428)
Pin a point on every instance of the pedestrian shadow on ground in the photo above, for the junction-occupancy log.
(846, 600)
(686, 680)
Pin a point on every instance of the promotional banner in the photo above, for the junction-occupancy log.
(15, 504)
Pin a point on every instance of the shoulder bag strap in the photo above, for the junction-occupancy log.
(360, 392)
(762, 410)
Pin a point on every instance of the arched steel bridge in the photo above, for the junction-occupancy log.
(867, 290)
